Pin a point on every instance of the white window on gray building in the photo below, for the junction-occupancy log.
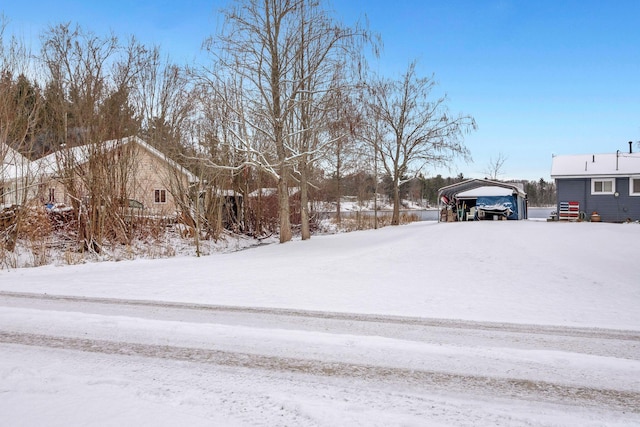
(603, 186)
(634, 186)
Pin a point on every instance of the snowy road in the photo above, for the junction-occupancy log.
(253, 366)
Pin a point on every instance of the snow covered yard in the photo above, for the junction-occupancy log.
(484, 323)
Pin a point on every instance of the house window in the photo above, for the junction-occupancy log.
(160, 196)
(634, 186)
(603, 186)
(52, 195)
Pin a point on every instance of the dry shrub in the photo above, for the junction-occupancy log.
(263, 215)
(8, 259)
(35, 229)
(149, 228)
(9, 227)
(31, 227)
(159, 250)
(73, 257)
(36, 224)
(366, 221)
(406, 218)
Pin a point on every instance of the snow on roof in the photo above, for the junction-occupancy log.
(270, 191)
(585, 165)
(225, 193)
(454, 190)
(263, 192)
(10, 155)
(485, 191)
(13, 165)
(80, 154)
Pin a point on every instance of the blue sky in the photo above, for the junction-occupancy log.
(540, 77)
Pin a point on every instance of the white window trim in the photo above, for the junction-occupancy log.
(631, 178)
(161, 190)
(603, 193)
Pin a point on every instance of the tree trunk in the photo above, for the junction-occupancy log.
(395, 218)
(338, 182)
(284, 212)
(304, 204)
(258, 219)
(338, 208)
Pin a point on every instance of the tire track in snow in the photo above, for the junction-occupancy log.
(578, 332)
(523, 389)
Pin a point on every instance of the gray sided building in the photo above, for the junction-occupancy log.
(607, 184)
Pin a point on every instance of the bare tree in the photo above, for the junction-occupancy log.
(416, 131)
(90, 78)
(284, 51)
(20, 104)
(165, 99)
(259, 45)
(345, 156)
(327, 53)
(233, 151)
(494, 167)
(20, 99)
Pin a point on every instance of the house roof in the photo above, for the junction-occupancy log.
(80, 154)
(595, 165)
(270, 191)
(10, 154)
(13, 165)
(473, 188)
(484, 191)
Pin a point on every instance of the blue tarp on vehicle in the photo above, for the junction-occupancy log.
(499, 205)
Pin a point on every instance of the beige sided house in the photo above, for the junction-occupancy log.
(144, 176)
(17, 177)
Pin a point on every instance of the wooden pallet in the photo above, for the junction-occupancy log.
(569, 211)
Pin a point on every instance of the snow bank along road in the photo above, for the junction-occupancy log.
(393, 369)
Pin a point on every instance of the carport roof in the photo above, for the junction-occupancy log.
(454, 190)
(485, 190)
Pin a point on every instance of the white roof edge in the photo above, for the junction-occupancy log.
(616, 164)
(516, 188)
(132, 138)
(602, 175)
(46, 161)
